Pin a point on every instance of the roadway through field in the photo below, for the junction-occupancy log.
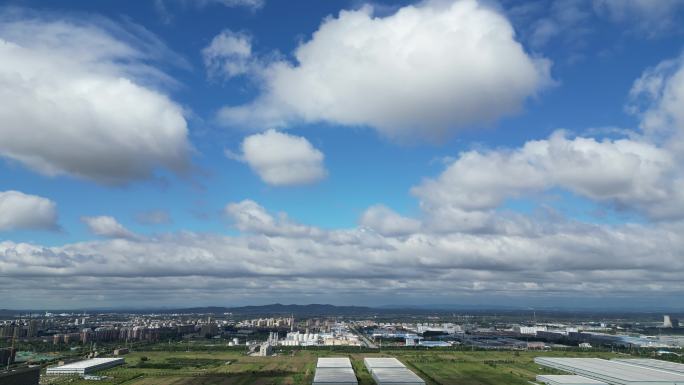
(364, 340)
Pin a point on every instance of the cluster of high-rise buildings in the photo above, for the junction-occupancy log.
(21, 328)
(268, 323)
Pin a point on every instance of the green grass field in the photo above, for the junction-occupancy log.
(437, 367)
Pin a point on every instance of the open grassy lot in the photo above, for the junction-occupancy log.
(443, 367)
(437, 367)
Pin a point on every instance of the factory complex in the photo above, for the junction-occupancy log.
(612, 372)
(85, 367)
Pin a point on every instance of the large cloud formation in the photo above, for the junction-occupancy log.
(426, 71)
(462, 244)
(77, 98)
(642, 173)
(19, 211)
(623, 173)
(277, 255)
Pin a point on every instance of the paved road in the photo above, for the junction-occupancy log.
(364, 340)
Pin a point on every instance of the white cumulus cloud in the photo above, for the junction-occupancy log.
(77, 98)
(387, 222)
(426, 71)
(106, 226)
(624, 173)
(228, 55)
(23, 211)
(251, 217)
(657, 98)
(281, 159)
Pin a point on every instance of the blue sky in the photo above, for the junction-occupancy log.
(519, 130)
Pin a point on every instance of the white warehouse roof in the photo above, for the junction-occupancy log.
(87, 366)
(334, 362)
(396, 376)
(335, 376)
(566, 379)
(382, 362)
(613, 372)
(656, 364)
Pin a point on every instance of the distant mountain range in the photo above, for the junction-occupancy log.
(313, 310)
(262, 310)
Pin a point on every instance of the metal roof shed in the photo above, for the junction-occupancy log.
(396, 376)
(84, 367)
(655, 364)
(382, 362)
(335, 376)
(334, 362)
(566, 379)
(613, 372)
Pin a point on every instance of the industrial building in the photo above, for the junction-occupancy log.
(85, 367)
(382, 362)
(566, 379)
(613, 372)
(21, 376)
(334, 362)
(334, 371)
(396, 376)
(390, 371)
(655, 364)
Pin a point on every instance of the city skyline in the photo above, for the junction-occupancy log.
(173, 153)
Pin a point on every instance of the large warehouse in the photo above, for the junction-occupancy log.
(656, 364)
(334, 371)
(390, 371)
(334, 362)
(613, 372)
(85, 367)
(567, 379)
(382, 362)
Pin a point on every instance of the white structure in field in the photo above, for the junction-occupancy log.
(614, 372)
(84, 367)
(382, 362)
(566, 379)
(333, 362)
(390, 371)
(334, 371)
(655, 364)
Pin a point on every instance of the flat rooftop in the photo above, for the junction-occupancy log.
(335, 376)
(613, 372)
(334, 362)
(563, 379)
(396, 376)
(382, 362)
(655, 364)
(89, 363)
